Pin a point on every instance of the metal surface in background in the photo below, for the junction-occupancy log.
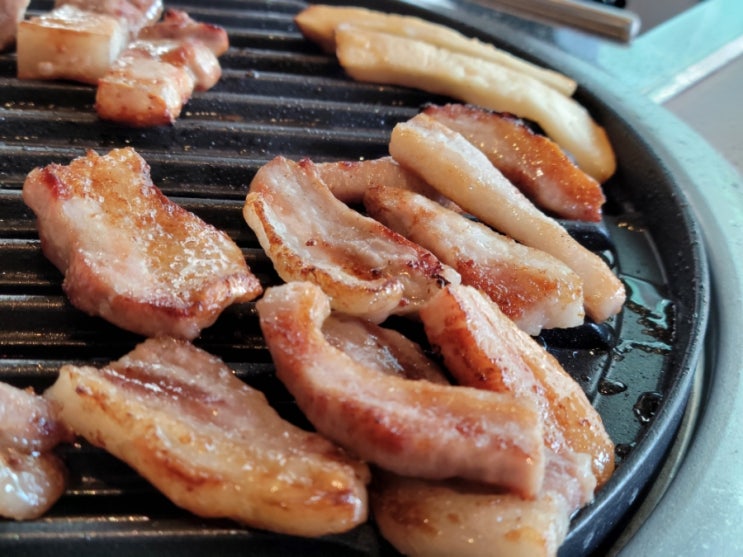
(281, 95)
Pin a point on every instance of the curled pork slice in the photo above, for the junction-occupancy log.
(210, 443)
(32, 477)
(532, 162)
(530, 286)
(156, 75)
(482, 348)
(128, 253)
(69, 43)
(366, 269)
(151, 81)
(461, 172)
(417, 428)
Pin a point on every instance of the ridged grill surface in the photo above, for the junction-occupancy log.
(279, 95)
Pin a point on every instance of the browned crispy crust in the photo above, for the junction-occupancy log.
(533, 162)
(133, 256)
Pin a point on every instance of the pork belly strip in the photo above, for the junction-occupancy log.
(532, 162)
(319, 22)
(379, 57)
(455, 167)
(482, 348)
(424, 518)
(530, 286)
(32, 477)
(364, 267)
(416, 428)
(69, 43)
(151, 81)
(210, 443)
(129, 254)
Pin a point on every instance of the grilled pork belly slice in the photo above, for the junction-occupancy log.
(153, 79)
(69, 43)
(129, 254)
(423, 518)
(532, 162)
(12, 13)
(32, 477)
(482, 348)
(210, 443)
(455, 167)
(319, 22)
(80, 39)
(530, 286)
(365, 268)
(379, 57)
(417, 428)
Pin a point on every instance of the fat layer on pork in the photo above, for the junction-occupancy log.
(363, 266)
(128, 253)
(210, 443)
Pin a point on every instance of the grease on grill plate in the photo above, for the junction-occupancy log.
(278, 95)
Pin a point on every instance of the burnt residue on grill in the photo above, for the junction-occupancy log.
(281, 95)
